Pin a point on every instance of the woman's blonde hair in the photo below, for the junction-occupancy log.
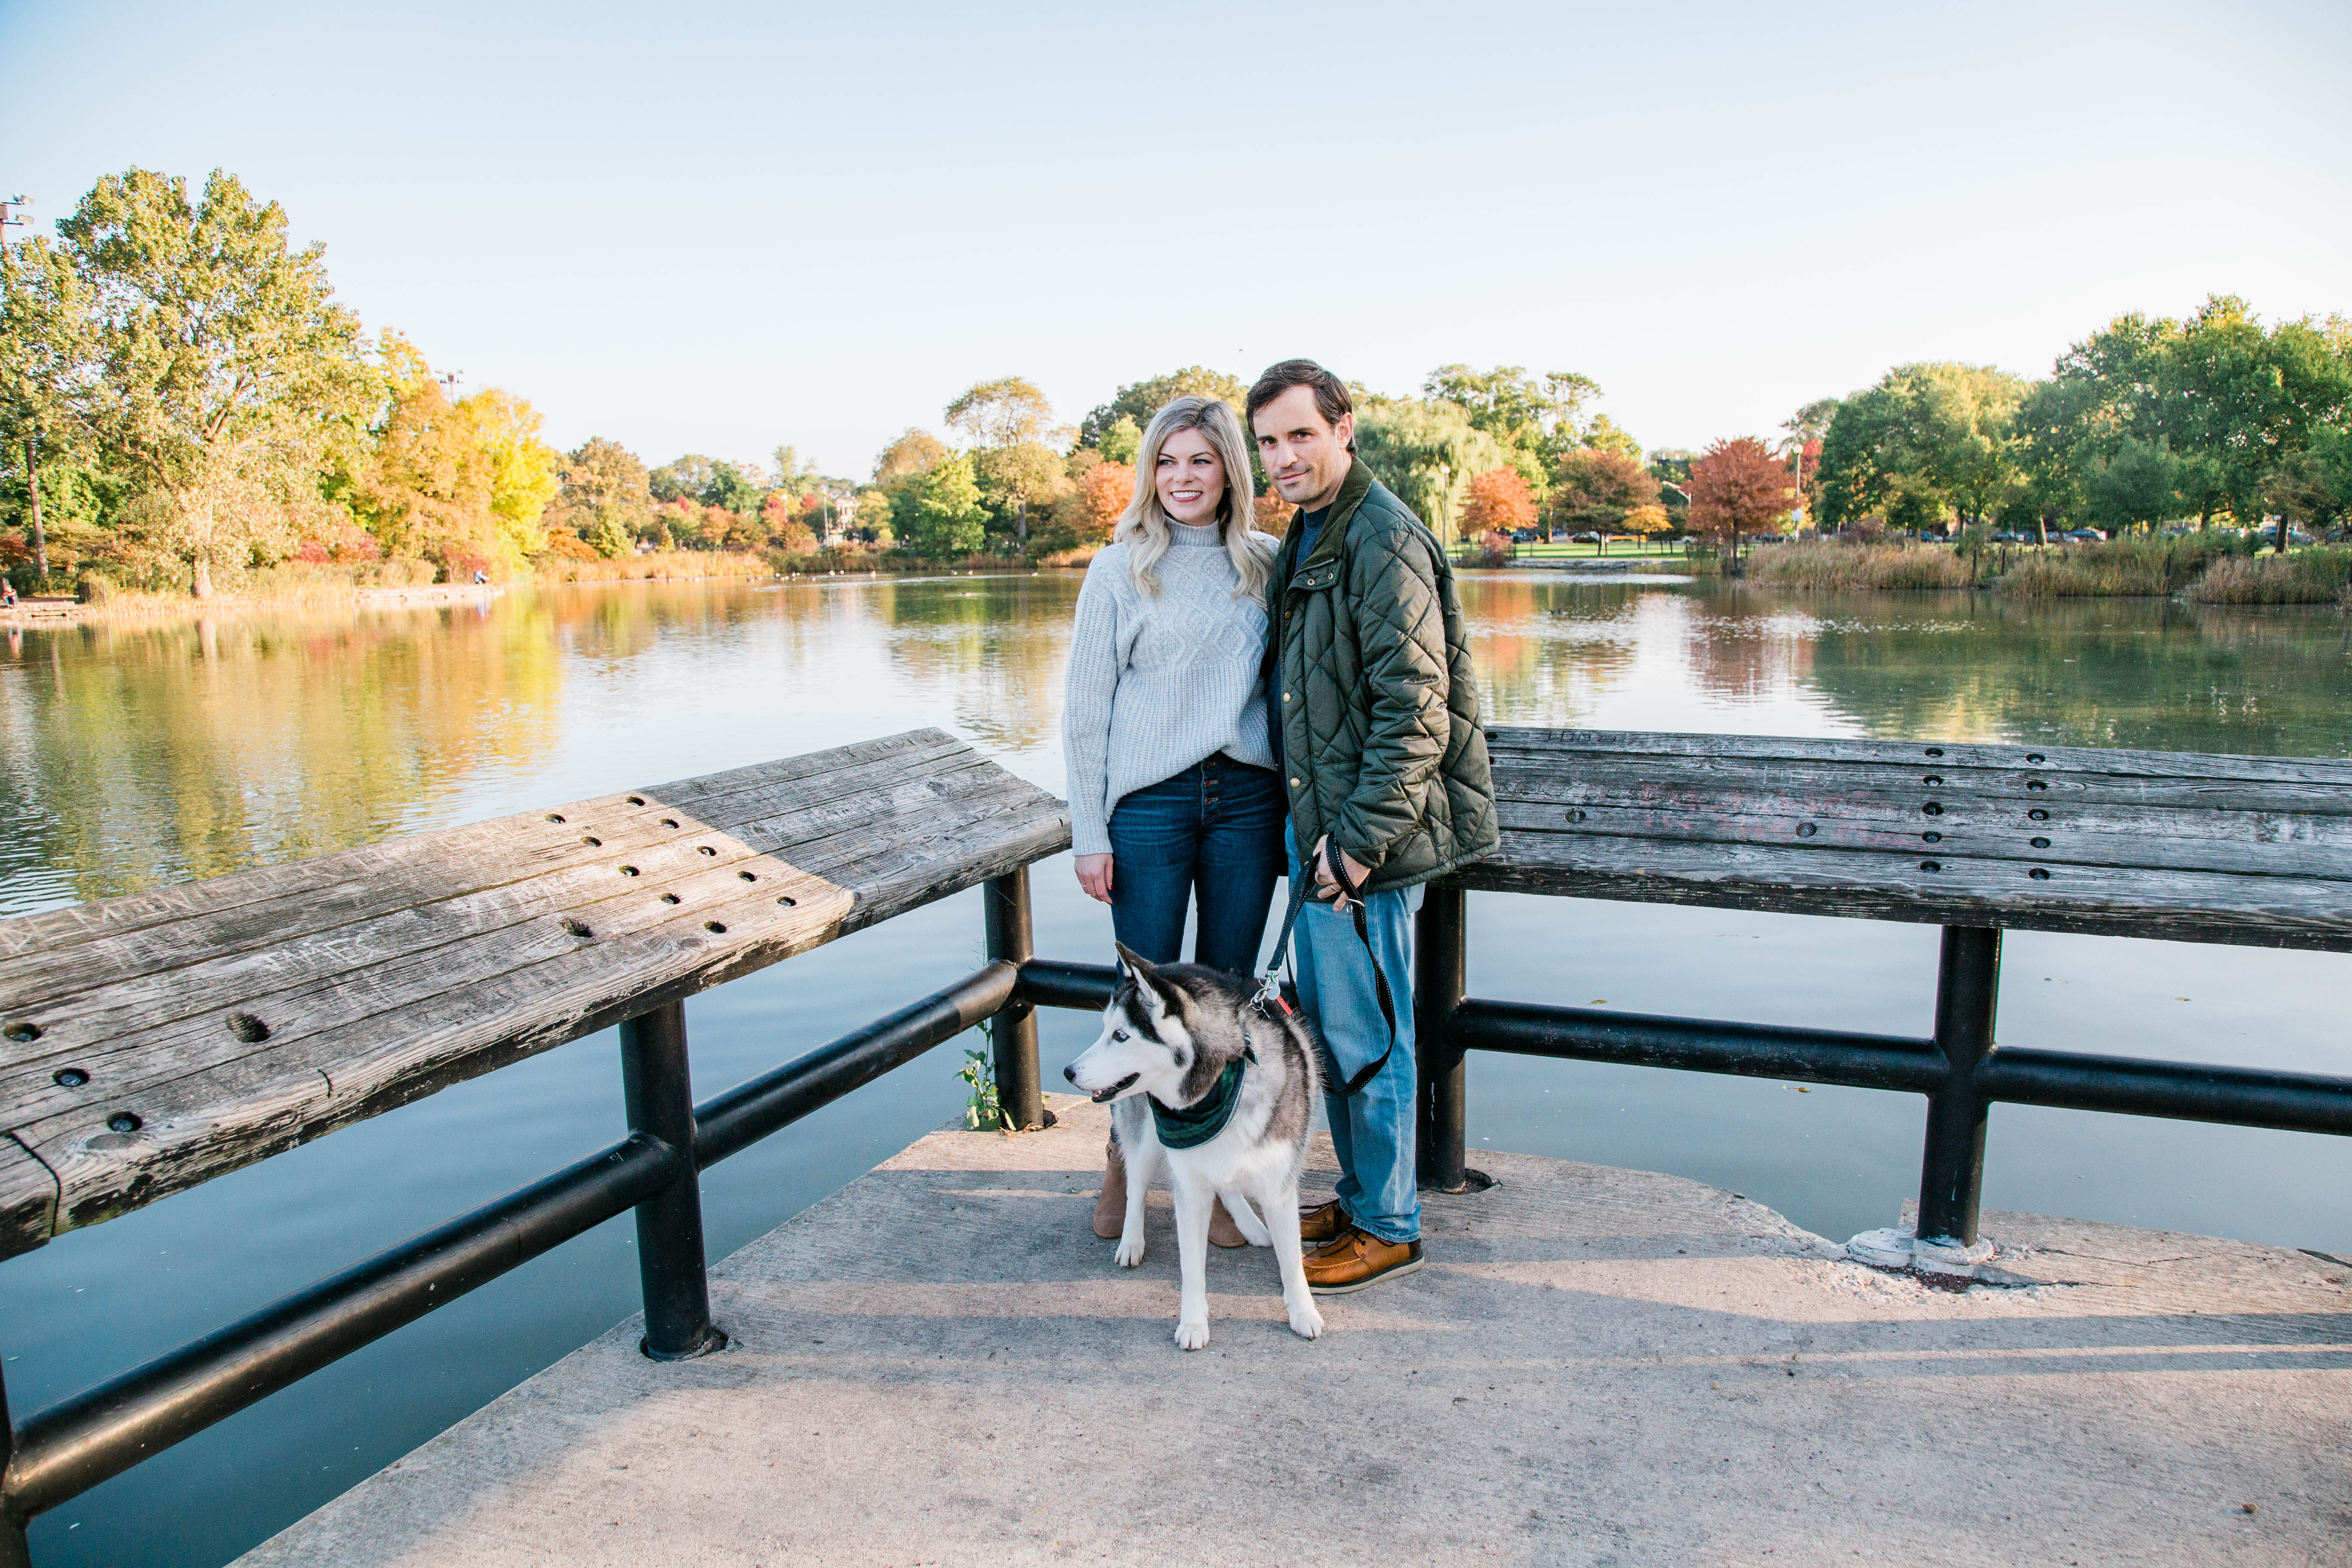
(1144, 527)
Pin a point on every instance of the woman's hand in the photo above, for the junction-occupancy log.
(1094, 875)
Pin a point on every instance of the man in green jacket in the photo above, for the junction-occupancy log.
(1375, 720)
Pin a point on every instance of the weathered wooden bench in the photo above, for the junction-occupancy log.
(151, 1042)
(1975, 838)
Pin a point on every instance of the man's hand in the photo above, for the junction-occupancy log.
(1094, 875)
(1327, 886)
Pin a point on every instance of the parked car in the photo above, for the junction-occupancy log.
(2006, 537)
(1524, 535)
(1585, 538)
(2085, 535)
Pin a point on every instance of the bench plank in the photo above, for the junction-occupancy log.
(2247, 850)
(200, 1027)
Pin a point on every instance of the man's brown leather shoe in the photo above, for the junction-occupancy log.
(1357, 1259)
(1324, 1223)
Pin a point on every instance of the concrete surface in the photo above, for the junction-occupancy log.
(940, 1363)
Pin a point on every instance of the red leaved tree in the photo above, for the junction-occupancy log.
(1499, 502)
(1739, 487)
(1103, 493)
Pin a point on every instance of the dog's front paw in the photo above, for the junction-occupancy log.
(1193, 1336)
(1130, 1251)
(1305, 1320)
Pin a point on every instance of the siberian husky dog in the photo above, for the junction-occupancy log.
(1171, 1033)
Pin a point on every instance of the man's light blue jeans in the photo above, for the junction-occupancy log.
(1372, 1130)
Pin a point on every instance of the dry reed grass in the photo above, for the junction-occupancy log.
(1856, 567)
(2304, 577)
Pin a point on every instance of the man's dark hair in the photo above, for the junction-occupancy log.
(1332, 399)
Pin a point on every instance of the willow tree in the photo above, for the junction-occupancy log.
(226, 375)
(42, 366)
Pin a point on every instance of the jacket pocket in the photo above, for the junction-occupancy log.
(1316, 580)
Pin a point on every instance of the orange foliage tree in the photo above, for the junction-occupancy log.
(1101, 501)
(1273, 513)
(1499, 502)
(1739, 487)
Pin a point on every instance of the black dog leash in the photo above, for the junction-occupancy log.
(1275, 992)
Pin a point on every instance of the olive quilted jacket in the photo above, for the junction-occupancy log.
(1377, 712)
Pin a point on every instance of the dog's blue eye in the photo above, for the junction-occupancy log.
(1119, 1034)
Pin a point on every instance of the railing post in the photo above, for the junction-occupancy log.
(1440, 952)
(1951, 1172)
(659, 1092)
(15, 1553)
(1013, 1034)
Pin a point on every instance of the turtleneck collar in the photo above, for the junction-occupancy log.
(1184, 533)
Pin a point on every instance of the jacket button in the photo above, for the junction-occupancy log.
(1286, 697)
(1293, 784)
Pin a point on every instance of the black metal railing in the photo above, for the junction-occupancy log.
(1959, 1069)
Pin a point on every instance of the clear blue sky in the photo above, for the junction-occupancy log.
(721, 227)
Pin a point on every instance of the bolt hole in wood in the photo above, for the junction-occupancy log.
(789, 903)
(1576, 817)
(705, 849)
(2033, 756)
(2039, 843)
(1935, 751)
(2039, 875)
(592, 843)
(1932, 780)
(746, 875)
(122, 1122)
(69, 1078)
(2038, 814)
(669, 822)
(1932, 809)
(245, 1027)
(1931, 837)
(714, 928)
(636, 800)
(2036, 785)
(554, 816)
(576, 928)
(628, 870)
(22, 1033)
(669, 897)
(1806, 831)
(1931, 865)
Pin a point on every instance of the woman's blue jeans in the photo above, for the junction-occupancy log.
(1214, 831)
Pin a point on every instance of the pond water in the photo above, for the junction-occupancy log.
(135, 757)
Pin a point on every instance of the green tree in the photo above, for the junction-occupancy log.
(1142, 399)
(1009, 422)
(683, 478)
(1122, 441)
(44, 359)
(948, 519)
(1427, 451)
(228, 377)
(731, 488)
(2139, 483)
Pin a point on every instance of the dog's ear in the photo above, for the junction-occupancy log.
(1163, 999)
(1127, 961)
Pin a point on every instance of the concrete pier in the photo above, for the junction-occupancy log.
(940, 1363)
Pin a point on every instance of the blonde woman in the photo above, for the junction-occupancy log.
(1173, 797)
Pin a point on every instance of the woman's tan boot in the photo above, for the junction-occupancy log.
(1110, 1208)
(1223, 1231)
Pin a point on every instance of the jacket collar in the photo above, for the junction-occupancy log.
(1352, 491)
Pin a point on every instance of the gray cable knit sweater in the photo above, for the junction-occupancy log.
(1157, 684)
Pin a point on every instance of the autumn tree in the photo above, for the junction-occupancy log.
(1100, 499)
(1497, 502)
(1739, 487)
(605, 498)
(914, 452)
(1594, 488)
(463, 484)
(227, 377)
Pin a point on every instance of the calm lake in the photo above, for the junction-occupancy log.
(137, 757)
